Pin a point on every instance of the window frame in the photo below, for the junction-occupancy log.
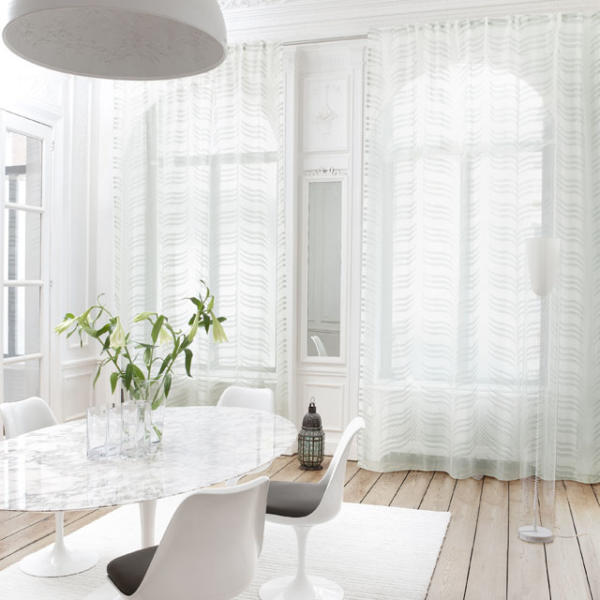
(11, 122)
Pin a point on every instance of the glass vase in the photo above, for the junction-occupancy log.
(132, 427)
(151, 394)
(97, 431)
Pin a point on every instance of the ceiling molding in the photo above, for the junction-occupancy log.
(306, 20)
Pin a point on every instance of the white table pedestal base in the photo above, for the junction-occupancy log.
(148, 522)
(58, 560)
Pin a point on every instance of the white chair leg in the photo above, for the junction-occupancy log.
(301, 586)
(148, 522)
(58, 560)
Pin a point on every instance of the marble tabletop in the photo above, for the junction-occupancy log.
(48, 470)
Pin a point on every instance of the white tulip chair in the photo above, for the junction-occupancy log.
(209, 550)
(304, 505)
(236, 396)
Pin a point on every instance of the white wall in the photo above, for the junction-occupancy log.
(78, 110)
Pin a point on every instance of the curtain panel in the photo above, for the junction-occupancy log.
(198, 174)
(479, 135)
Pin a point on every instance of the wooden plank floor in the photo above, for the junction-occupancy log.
(482, 557)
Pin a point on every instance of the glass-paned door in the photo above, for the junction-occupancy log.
(24, 339)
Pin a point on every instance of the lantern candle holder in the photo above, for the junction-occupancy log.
(311, 440)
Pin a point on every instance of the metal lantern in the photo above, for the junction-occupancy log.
(311, 440)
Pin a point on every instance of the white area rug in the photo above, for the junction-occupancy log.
(374, 552)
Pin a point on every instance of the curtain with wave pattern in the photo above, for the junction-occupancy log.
(479, 135)
(197, 197)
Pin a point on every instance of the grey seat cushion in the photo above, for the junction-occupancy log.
(127, 571)
(289, 499)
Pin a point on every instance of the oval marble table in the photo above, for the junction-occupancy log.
(48, 471)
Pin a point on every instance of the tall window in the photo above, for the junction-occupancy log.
(465, 188)
(24, 301)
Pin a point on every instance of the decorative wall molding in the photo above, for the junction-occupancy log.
(328, 172)
(306, 20)
(80, 365)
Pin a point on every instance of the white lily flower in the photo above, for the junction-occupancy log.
(218, 331)
(164, 336)
(117, 337)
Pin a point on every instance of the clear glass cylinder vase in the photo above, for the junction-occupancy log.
(132, 426)
(150, 398)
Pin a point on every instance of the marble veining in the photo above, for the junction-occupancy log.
(48, 470)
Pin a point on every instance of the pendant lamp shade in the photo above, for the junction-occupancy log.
(118, 39)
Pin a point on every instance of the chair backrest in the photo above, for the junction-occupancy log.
(333, 481)
(246, 397)
(25, 415)
(211, 546)
(319, 345)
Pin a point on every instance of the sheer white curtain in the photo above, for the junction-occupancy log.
(479, 135)
(197, 197)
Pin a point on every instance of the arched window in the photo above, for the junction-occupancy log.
(462, 187)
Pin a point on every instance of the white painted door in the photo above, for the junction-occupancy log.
(25, 148)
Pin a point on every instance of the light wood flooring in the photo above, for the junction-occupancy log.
(482, 558)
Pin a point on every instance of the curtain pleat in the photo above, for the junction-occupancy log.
(479, 135)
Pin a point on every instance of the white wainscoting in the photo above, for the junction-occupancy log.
(77, 387)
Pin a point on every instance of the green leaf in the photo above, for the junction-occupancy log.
(188, 361)
(137, 372)
(114, 377)
(98, 374)
(87, 329)
(164, 365)
(197, 303)
(157, 327)
(128, 375)
(210, 304)
(147, 356)
(103, 330)
(194, 329)
(157, 431)
(167, 384)
(143, 316)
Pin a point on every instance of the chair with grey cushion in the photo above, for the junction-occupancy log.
(303, 505)
(209, 550)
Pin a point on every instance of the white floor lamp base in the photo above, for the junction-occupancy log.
(56, 561)
(539, 535)
(280, 589)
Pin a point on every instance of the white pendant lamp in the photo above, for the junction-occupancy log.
(118, 39)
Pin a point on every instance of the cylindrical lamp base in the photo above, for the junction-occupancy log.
(536, 535)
